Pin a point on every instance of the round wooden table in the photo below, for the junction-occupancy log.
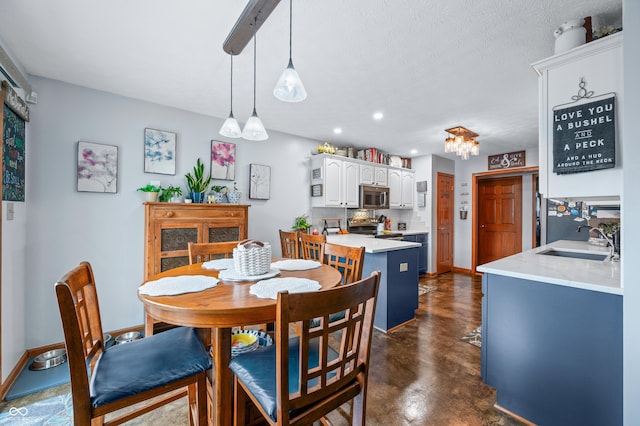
(220, 308)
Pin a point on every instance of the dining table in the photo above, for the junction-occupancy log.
(218, 309)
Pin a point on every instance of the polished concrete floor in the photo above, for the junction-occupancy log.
(421, 374)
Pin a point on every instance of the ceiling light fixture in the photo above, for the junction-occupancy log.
(231, 128)
(253, 15)
(462, 141)
(337, 130)
(289, 87)
(378, 116)
(254, 129)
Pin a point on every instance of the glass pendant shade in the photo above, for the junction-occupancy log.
(290, 88)
(231, 128)
(462, 142)
(254, 129)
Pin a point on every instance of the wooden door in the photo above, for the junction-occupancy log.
(499, 218)
(444, 223)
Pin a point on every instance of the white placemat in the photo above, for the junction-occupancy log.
(268, 289)
(218, 264)
(295, 264)
(170, 286)
(233, 275)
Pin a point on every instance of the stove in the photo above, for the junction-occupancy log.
(365, 226)
(391, 236)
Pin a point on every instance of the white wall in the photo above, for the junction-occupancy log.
(630, 208)
(66, 226)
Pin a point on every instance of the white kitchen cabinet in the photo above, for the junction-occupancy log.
(599, 64)
(373, 175)
(401, 183)
(338, 180)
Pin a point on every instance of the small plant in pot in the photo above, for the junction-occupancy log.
(197, 182)
(151, 191)
(219, 193)
(301, 223)
(171, 193)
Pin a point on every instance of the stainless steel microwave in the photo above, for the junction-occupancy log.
(374, 197)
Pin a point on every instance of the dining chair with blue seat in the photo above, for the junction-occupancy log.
(301, 379)
(166, 366)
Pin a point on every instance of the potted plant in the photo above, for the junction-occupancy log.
(171, 193)
(219, 193)
(151, 191)
(300, 223)
(197, 182)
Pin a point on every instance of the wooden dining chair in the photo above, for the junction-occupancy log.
(348, 260)
(166, 366)
(203, 252)
(299, 380)
(289, 242)
(312, 246)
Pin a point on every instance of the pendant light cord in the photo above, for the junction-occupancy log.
(290, 25)
(231, 100)
(255, 24)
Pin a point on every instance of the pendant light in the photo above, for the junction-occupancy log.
(231, 128)
(254, 129)
(290, 88)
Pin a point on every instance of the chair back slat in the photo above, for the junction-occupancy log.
(289, 244)
(348, 260)
(203, 252)
(312, 246)
(340, 348)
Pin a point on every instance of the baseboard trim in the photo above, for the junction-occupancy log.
(5, 387)
(514, 415)
(465, 271)
(396, 327)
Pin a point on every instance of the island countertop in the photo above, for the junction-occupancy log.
(603, 276)
(371, 244)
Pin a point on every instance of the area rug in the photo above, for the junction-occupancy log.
(56, 411)
(474, 337)
(424, 289)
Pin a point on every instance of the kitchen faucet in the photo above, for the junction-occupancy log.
(613, 256)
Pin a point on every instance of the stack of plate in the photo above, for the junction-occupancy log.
(242, 342)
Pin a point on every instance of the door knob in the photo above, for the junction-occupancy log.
(481, 226)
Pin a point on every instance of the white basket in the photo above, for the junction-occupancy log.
(252, 258)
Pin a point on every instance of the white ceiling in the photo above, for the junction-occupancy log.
(426, 64)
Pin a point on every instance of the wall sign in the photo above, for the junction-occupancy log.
(584, 137)
(507, 160)
(13, 114)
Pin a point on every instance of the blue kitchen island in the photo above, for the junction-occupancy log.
(398, 261)
(552, 335)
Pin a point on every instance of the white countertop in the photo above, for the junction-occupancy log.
(603, 276)
(413, 231)
(371, 244)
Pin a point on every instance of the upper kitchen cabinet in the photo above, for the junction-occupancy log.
(373, 175)
(401, 188)
(580, 121)
(334, 182)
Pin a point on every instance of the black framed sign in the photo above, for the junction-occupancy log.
(584, 136)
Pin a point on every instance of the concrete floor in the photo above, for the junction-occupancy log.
(421, 374)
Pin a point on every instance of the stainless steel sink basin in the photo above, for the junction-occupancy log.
(574, 254)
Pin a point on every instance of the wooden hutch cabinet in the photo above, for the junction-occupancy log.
(169, 227)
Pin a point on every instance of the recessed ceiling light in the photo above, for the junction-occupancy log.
(337, 130)
(414, 151)
(378, 116)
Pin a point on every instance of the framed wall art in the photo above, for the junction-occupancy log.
(14, 112)
(223, 160)
(159, 152)
(259, 181)
(97, 169)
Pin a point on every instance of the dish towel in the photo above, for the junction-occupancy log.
(170, 286)
(268, 289)
(218, 264)
(295, 264)
(233, 275)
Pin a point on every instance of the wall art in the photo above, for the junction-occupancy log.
(159, 152)
(97, 169)
(223, 160)
(259, 181)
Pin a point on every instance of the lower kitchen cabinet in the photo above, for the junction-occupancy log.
(423, 254)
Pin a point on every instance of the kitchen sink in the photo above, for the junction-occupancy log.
(574, 254)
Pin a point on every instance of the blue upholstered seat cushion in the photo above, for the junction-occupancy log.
(257, 371)
(332, 317)
(148, 363)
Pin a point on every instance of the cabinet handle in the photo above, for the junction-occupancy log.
(170, 214)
